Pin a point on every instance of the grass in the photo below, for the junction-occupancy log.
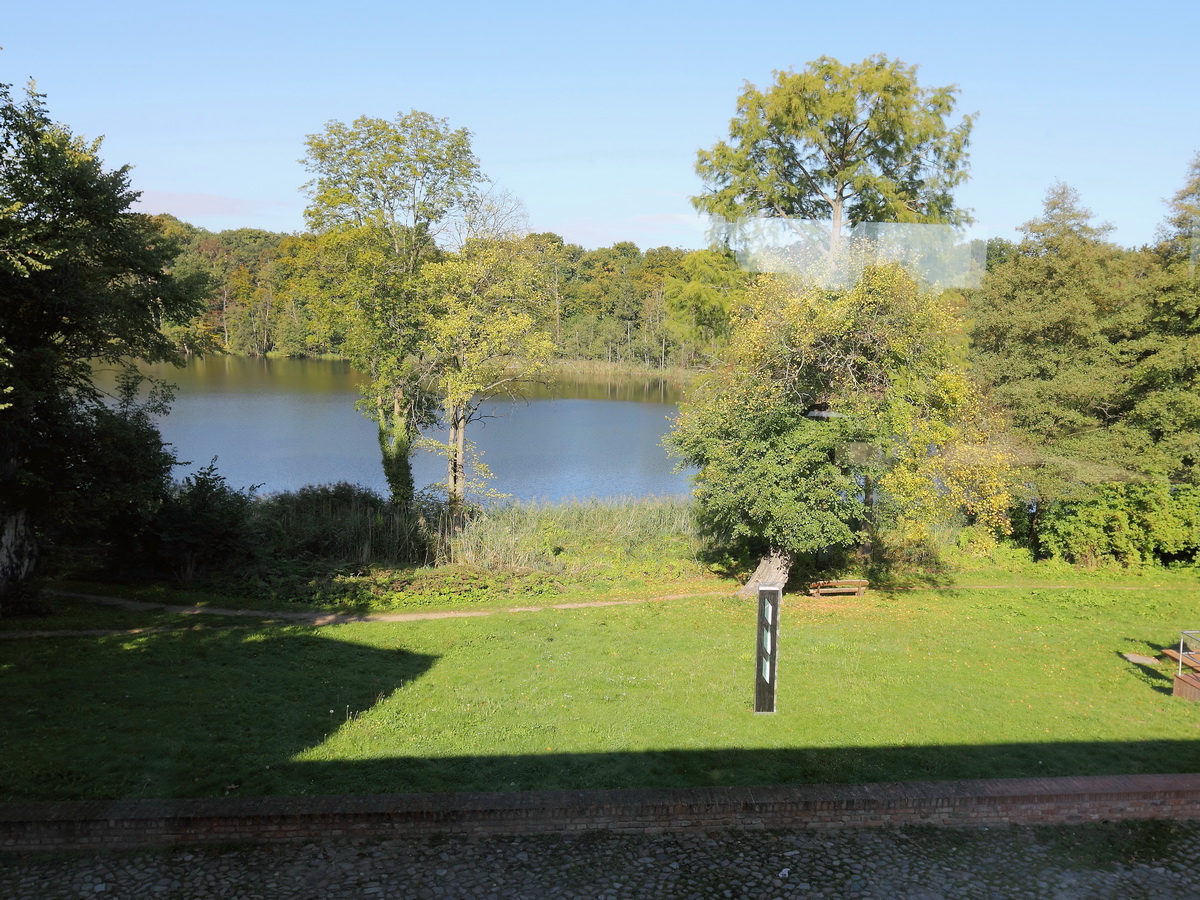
(64, 613)
(929, 683)
(509, 556)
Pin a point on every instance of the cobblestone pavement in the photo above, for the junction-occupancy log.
(1125, 861)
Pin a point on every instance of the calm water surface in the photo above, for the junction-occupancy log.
(284, 423)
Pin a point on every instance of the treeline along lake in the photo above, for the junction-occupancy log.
(286, 423)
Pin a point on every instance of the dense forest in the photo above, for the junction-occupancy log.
(663, 307)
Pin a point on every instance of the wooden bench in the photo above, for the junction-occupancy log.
(1189, 659)
(855, 586)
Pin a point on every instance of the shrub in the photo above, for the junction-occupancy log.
(1131, 523)
(204, 526)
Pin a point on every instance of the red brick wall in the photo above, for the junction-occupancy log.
(140, 823)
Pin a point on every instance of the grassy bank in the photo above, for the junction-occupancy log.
(926, 683)
(569, 369)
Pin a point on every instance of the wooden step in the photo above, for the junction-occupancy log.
(1187, 686)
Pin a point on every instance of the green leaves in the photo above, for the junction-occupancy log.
(83, 279)
(1087, 346)
(479, 337)
(840, 413)
(404, 176)
(842, 144)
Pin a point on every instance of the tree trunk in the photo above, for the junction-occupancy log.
(835, 230)
(774, 568)
(18, 551)
(456, 475)
(395, 443)
(866, 550)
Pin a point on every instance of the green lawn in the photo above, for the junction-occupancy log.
(927, 683)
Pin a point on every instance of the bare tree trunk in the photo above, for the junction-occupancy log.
(774, 568)
(835, 231)
(456, 475)
(18, 550)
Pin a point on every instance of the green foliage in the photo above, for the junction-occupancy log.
(699, 302)
(446, 587)
(204, 526)
(382, 193)
(1132, 523)
(110, 497)
(479, 339)
(840, 144)
(328, 293)
(837, 414)
(405, 177)
(593, 541)
(84, 280)
(1092, 351)
(1063, 332)
(335, 526)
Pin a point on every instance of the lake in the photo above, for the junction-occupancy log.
(285, 423)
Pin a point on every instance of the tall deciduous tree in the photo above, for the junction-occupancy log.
(82, 279)
(841, 145)
(839, 413)
(480, 339)
(408, 177)
(382, 193)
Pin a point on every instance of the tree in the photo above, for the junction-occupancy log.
(839, 414)
(1057, 327)
(840, 144)
(1166, 379)
(1180, 234)
(407, 177)
(479, 338)
(83, 280)
(699, 302)
(382, 193)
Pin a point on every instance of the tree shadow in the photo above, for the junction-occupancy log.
(129, 716)
(1156, 680)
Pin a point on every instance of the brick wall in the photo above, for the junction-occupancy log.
(122, 824)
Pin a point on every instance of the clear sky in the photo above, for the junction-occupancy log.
(593, 116)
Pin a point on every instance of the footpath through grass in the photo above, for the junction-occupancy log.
(915, 684)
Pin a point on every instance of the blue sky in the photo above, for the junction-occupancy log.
(593, 116)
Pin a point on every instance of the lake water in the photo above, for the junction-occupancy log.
(284, 423)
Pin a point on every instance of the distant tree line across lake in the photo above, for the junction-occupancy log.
(658, 308)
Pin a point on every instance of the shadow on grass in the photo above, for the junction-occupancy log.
(1156, 680)
(700, 768)
(183, 713)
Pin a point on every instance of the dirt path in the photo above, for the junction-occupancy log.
(307, 617)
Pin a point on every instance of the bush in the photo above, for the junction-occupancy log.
(1131, 523)
(204, 526)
